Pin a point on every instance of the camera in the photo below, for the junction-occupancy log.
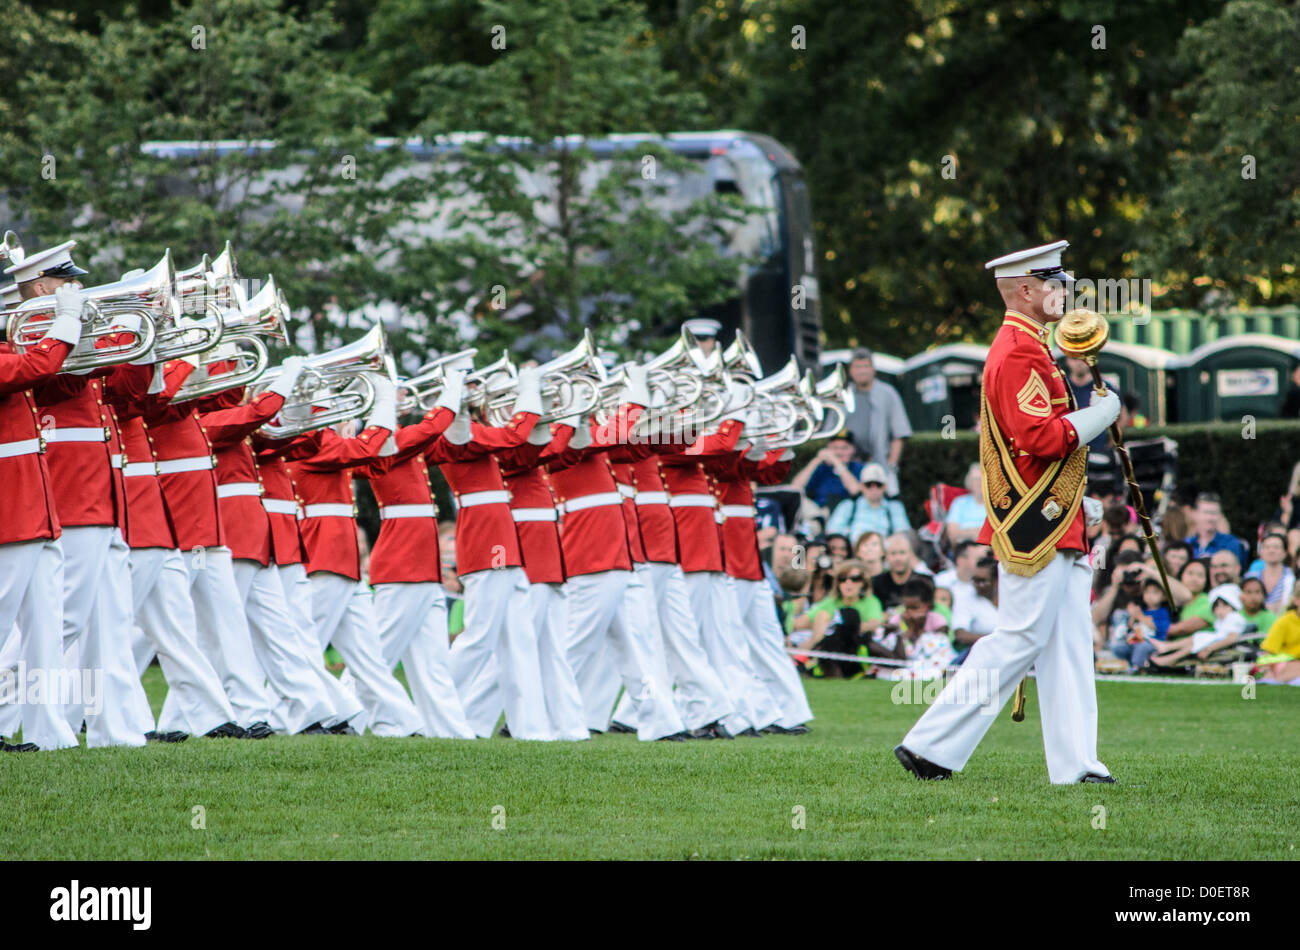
(824, 561)
(1131, 575)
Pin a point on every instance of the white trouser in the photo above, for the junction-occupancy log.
(700, 697)
(1043, 622)
(601, 614)
(344, 705)
(303, 701)
(223, 634)
(164, 613)
(499, 624)
(343, 613)
(412, 622)
(767, 653)
(31, 597)
(714, 607)
(97, 624)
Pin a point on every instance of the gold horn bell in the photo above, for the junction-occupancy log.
(1082, 333)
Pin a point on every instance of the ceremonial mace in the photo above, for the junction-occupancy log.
(1081, 334)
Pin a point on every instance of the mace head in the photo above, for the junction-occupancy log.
(1082, 334)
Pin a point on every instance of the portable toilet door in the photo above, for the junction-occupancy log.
(942, 386)
(1145, 370)
(1236, 376)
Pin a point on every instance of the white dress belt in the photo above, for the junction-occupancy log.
(199, 463)
(693, 501)
(239, 489)
(327, 511)
(75, 434)
(280, 506)
(407, 511)
(10, 450)
(737, 511)
(534, 514)
(652, 498)
(627, 491)
(132, 469)
(470, 499)
(598, 500)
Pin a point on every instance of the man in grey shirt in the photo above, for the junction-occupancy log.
(878, 422)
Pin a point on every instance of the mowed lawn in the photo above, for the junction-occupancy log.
(1204, 773)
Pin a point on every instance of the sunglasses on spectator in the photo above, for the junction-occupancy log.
(876, 484)
(856, 578)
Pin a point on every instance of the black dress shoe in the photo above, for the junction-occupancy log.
(921, 768)
(155, 736)
(799, 730)
(315, 729)
(620, 728)
(750, 733)
(504, 732)
(675, 737)
(1093, 778)
(227, 730)
(719, 730)
(597, 732)
(704, 732)
(342, 729)
(20, 747)
(258, 730)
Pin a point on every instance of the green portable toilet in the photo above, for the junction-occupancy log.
(1145, 370)
(888, 368)
(1234, 376)
(943, 382)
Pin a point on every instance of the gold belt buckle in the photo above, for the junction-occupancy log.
(1051, 510)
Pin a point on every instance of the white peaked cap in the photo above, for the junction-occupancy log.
(703, 327)
(1044, 262)
(54, 262)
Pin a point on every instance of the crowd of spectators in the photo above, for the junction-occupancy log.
(856, 578)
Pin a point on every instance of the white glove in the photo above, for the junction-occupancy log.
(384, 413)
(581, 436)
(288, 378)
(529, 388)
(1091, 511)
(1093, 421)
(66, 325)
(756, 452)
(459, 432)
(636, 390)
(157, 382)
(453, 390)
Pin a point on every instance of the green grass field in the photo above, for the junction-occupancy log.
(1204, 774)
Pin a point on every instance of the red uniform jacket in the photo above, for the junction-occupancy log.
(148, 523)
(322, 480)
(733, 476)
(693, 505)
(658, 529)
(485, 533)
(30, 510)
(593, 532)
(532, 505)
(84, 446)
(278, 498)
(406, 551)
(229, 426)
(1029, 400)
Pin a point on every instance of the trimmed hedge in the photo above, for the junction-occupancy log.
(1250, 475)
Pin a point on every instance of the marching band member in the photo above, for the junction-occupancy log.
(498, 621)
(31, 558)
(693, 506)
(84, 455)
(598, 561)
(537, 522)
(187, 474)
(160, 590)
(405, 569)
(341, 607)
(756, 605)
(304, 705)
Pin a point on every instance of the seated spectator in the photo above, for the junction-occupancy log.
(965, 517)
(1209, 536)
(832, 475)
(1195, 614)
(1252, 605)
(959, 578)
(794, 601)
(852, 589)
(1224, 569)
(1174, 526)
(901, 567)
(1118, 521)
(1279, 658)
(1131, 542)
(1274, 573)
(870, 550)
(921, 632)
(1148, 626)
(838, 547)
(977, 615)
(1110, 613)
(1130, 416)
(1229, 625)
(1175, 555)
(1288, 512)
(870, 510)
(785, 549)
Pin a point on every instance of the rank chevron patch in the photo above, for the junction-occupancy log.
(1033, 397)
